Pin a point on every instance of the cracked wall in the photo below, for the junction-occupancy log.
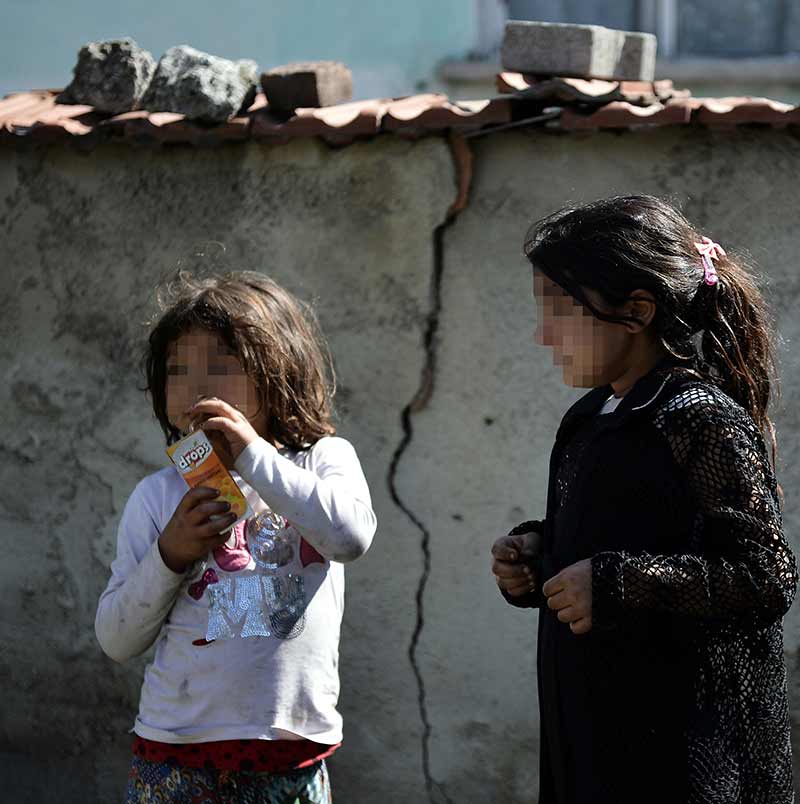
(477, 463)
(84, 239)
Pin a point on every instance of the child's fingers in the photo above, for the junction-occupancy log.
(555, 585)
(581, 626)
(216, 405)
(214, 528)
(506, 548)
(196, 419)
(559, 601)
(218, 423)
(518, 588)
(199, 514)
(197, 496)
(510, 571)
(216, 539)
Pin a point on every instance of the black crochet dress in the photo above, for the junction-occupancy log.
(678, 693)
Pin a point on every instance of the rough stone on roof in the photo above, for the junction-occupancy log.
(111, 75)
(578, 51)
(307, 84)
(201, 86)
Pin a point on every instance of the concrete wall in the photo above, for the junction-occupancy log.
(82, 241)
(389, 46)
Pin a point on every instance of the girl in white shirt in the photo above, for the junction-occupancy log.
(240, 698)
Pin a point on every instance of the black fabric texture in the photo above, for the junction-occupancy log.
(678, 693)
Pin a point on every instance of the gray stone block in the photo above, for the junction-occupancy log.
(545, 48)
(112, 76)
(637, 62)
(578, 51)
(307, 84)
(201, 86)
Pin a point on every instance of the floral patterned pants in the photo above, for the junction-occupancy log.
(163, 783)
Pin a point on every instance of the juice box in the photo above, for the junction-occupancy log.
(199, 465)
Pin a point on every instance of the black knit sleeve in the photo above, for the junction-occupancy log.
(531, 600)
(740, 564)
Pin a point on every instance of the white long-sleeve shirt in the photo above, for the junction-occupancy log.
(247, 640)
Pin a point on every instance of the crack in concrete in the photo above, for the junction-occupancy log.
(419, 401)
(462, 161)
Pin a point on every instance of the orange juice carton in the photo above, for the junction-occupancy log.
(199, 465)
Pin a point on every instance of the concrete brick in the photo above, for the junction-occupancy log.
(637, 62)
(544, 48)
(307, 84)
(580, 51)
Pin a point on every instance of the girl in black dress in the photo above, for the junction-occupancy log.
(660, 568)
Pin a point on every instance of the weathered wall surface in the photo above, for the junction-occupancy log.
(84, 239)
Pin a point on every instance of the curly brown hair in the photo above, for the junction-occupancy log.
(275, 335)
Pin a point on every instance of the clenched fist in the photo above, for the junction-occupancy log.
(570, 595)
(512, 565)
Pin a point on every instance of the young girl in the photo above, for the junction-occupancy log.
(660, 568)
(239, 701)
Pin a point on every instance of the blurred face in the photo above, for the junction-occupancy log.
(199, 364)
(591, 352)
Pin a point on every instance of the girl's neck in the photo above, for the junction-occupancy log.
(641, 364)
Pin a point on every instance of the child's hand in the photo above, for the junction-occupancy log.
(570, 594)
(190, 534)
(512, 555)
(228, 429)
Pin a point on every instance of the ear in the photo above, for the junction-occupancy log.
(641, 306)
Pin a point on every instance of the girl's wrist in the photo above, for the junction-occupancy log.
(171, 561)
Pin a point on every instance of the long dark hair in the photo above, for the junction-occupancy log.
(617, 245)
(275, 336)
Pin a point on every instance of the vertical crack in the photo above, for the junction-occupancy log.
(462, 158)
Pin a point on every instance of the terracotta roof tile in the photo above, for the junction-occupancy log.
(418, 114)
(590, 91)
(37, 114)
(337, 125)
(168, 127)
(737, 111)
(621, 114)
(24, 113)
(24, 104)
(578, 105)
(716, 112)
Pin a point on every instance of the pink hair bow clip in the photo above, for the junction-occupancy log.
(710, 251)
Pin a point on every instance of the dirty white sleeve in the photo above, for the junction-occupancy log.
(142, 589)
(329, 504)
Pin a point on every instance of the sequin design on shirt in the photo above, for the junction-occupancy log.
(270, 599)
